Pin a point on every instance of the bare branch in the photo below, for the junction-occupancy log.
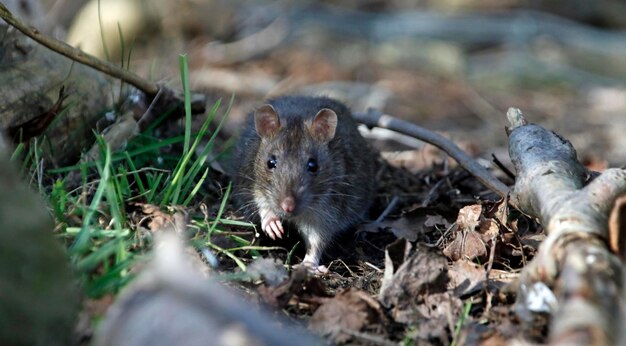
(374, 118)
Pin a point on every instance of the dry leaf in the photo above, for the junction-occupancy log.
(411, 225)
(422, 274)
(466, 277)
(300, 284)
(434, 220)
(466, 245)
(489, 229)
(437, 313)
(396, 254)
(349, 310)
(469, 217)
(153, 218)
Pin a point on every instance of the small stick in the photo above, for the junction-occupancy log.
(374, 118)
(390, 207)
(502, 167)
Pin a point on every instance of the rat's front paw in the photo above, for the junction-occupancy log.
(312, 268)
(271, 225)
(311, 263)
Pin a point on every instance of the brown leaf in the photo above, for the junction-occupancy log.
(436, 316)
(416, 222)
(469, 217)
(466, 245)
(156, 220)
(407, 228)
(489, 229)
(411, 225)
(434, 220)
(466, 277)
(300, 284)
(473, 233)
(396, 254)
(415, 160)
(499, 211)
(422, 274)
(349, 310)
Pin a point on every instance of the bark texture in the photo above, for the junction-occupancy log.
(574, 260)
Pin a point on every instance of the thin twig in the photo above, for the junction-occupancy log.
(502, 167)
(374, 118)
(432, 193)
(390, 207)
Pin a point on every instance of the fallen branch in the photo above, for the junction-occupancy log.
(244, 49)
(574, 260)
(204, 310)
(374, 118)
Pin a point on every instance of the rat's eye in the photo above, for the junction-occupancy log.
(312, 166)
(272, 162)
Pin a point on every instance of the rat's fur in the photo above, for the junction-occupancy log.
(328, 201)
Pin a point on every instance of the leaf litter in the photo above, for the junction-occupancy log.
(409, 276)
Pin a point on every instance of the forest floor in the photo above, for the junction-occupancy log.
(438, 259)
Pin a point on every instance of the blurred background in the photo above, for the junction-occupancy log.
(453, 66)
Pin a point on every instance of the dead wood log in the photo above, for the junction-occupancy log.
(59, 93)
(45, 93)
(39, 293)
(170, 302)
(574, 260)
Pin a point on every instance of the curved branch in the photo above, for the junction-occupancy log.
(374, 118)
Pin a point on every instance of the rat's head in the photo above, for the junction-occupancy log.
(294, 169)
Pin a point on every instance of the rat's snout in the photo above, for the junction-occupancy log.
(288, 204)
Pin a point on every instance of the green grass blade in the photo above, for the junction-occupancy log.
(220, 211)
(154, 184)
(121, 156)
(184, 75)
(82, 239)
(229, 254)
(461, 322)
(115, 200)
(19, 149)
(196, 188)
(189, 178)
(173, 191)
(98, 257)
(114, 279)
(133, 168)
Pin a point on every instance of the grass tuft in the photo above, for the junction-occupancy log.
(98, 221)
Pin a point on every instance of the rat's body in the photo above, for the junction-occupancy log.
(302, 160)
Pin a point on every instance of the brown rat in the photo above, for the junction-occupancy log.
(302, 160)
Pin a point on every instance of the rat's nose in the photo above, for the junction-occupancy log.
(288, 204)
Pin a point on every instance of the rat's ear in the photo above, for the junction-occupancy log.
(324, 125)
(266, 121)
